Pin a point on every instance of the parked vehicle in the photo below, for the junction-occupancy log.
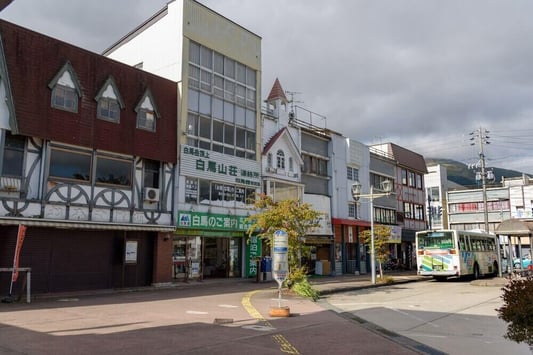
(452, 253)
(526, 262)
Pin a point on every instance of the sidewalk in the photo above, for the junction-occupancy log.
(348, 282)
(325, 285)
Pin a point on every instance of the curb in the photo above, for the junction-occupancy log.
(345, 288)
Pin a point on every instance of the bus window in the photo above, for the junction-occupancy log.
(461, 242)
(446, 243)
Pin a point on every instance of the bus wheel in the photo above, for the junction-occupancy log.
(476, 271)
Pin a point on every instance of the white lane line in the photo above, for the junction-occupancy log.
(227, 306)
(195, 312)
(414, 317)
(426, 335)
(261, 328)
(355, 304)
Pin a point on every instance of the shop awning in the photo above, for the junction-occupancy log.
(515, 227)
(61, 224)
(318, 239)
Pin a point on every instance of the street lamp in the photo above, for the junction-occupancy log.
(386, 187)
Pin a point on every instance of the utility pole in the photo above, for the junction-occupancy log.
(483, 139)
(481, 134)
(430, 212)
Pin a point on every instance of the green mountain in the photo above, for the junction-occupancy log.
(462, 175)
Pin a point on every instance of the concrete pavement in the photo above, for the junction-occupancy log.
(170, 320)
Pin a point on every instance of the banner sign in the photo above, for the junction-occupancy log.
(206, 164)
(20, 239)
(212, 221)
(280, 256)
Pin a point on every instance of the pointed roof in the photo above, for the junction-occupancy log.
(283, 132)
(272, 140)
(277, 92)
(409, 158)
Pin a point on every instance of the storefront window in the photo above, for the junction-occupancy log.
(186, 257)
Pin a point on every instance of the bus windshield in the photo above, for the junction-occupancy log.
(439, 240)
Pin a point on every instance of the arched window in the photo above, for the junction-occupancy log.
(280, 156)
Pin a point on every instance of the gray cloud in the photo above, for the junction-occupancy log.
(420, 73)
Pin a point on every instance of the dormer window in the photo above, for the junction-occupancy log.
(109, 102)
(291, 164)
(269, 160)
(146, 113)
(280, 156)
(65, 89)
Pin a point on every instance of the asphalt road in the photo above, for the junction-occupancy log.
(219, 318)
(456, 317)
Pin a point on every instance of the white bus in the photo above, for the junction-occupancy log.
(447, 253)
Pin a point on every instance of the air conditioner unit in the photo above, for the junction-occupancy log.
(151, 194)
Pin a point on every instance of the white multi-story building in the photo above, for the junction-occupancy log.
(217, 66)
(350, 217)
(436, 183)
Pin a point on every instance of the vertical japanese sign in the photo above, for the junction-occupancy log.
(254, 252)
(280, 257)
(20, 239)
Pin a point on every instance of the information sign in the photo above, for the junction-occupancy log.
(280, 257)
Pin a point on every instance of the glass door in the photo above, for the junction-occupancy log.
(234, 257)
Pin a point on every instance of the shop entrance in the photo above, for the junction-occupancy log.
(222, 257)
(186, 257)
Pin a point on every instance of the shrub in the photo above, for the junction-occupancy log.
(303, 288)
(299, 284)
(387, 280)
(517, 310)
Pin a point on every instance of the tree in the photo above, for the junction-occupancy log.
(382, 236)
(292, 216)
(517, 310)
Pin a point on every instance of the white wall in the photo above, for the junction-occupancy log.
(158, 45)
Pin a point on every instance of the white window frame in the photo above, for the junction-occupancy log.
(66, 90)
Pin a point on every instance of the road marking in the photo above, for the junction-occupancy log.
(260, 328)
(414, 317)
(426, 335)
(285, 345)
(195, 312)
(340, 304)
(227, 306)
(68, 300)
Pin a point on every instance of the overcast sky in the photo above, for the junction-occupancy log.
(423, 74)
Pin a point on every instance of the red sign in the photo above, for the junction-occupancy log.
(18, 247)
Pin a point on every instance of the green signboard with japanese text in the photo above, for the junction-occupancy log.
(211, 221)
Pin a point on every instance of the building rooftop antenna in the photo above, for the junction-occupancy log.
(292, 101)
